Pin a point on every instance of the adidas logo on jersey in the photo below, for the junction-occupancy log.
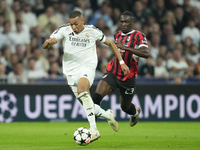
(72, 34)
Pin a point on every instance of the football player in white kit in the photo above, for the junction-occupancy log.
(80, 62)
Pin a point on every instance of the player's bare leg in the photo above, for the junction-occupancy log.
(88, 105)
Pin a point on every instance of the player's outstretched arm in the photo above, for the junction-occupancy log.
(113, 47)
(49, 42)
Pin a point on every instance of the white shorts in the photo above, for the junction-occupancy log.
(73, 80)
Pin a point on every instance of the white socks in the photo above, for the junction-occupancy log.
(88, 107)
(99, 112)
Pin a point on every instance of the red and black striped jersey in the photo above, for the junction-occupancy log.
(134, 39)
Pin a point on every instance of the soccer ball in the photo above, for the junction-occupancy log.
(82, 136)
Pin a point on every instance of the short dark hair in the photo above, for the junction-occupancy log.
(128, 13)
(75, 14)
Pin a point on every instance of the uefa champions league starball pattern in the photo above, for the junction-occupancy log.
(82, 136)
(8, 106)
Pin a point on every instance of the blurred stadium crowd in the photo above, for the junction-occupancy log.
(172, 28)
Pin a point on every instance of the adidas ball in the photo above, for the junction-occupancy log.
(82, 136)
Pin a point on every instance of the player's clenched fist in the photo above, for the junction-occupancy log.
(120, 45)
(47, 44)
(125, 69)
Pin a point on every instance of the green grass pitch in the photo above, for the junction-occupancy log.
(143, 136)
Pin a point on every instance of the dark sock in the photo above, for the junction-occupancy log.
(131, 110)
(97, 98)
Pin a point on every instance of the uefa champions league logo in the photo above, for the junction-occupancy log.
(8, 106)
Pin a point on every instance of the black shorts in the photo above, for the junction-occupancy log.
(127, 87)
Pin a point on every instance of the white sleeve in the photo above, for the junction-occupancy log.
(58, 33)
(99, 35)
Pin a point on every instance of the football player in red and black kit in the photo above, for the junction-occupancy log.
(132, 44)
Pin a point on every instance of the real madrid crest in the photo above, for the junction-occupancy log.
(128, 39)
(87, 35)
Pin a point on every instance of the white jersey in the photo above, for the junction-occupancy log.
(79, 49)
